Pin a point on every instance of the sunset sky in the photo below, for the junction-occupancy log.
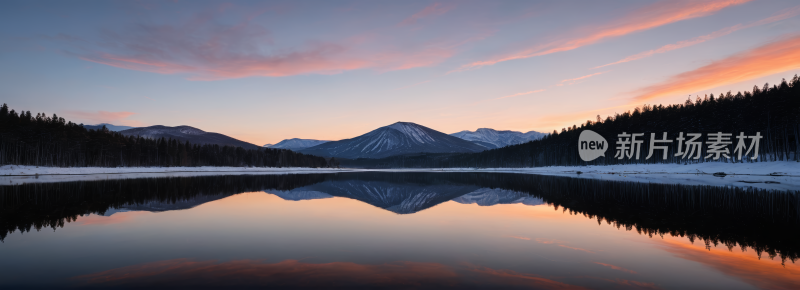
(263, 71)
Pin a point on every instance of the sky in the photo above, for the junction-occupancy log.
(264, 71)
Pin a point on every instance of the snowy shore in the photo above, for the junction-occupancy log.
(781, 175)
(16, 174)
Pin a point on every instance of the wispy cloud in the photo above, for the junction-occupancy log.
(560, 244)
(572, 81)
(432, 10)
(651, 16)
(520, 94)
(792, 12)
(205, 49)
(772, 58)
(520, 238)
(116, 118)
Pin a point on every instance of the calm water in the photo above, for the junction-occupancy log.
(397, 230)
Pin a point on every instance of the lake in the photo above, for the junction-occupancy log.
(396, 231)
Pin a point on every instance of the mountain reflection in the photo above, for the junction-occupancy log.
(766, 221)
(405, 196)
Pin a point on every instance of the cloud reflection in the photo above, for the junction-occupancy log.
(293, 273)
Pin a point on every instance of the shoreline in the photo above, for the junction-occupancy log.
(778, 175)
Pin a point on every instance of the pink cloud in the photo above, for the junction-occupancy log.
(792, 12)
(203, 49)
(432, 10)
(116, 118)
(651, 16)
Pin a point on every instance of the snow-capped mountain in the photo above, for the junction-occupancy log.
(110, 127)
(490, 196)
(491, 138)
(295, 144)
(396, 139)
(186, 133)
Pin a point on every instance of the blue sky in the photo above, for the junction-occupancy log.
(263, 71)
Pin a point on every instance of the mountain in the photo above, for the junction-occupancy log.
(295, 144)
(186, 133)
(493, 196)
(110, 127)
(404, 196)
(396, 139)
(491, 138)
(397, 197)
(299, 194)
(161, 206)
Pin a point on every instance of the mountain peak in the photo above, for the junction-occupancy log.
(395, 139)
(413, 131)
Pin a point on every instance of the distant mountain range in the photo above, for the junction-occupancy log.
(491, 138)
(406, 198)
(186, 133)
(110, 127)
(396, 139)
(296, 144)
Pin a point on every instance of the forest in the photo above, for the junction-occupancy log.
(40, 140)
(773, 112)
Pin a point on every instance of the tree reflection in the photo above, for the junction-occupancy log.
(764, 220)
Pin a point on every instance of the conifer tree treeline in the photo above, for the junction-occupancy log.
(40, 140)
(773, 111)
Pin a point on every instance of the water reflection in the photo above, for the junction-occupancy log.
(741, 219)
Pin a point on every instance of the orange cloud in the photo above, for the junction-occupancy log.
(521, 238)
(435, 9)
(775, 57)
(651, 16)
(792, 12)
(292, 273)
(761, 273)
(616, 267)
(103, 117)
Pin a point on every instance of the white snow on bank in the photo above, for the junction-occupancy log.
(779, 175)
(16, 174)
(760, 168)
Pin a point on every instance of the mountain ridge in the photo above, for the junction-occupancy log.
(491, 138)
(295, 144)
(187, 133)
